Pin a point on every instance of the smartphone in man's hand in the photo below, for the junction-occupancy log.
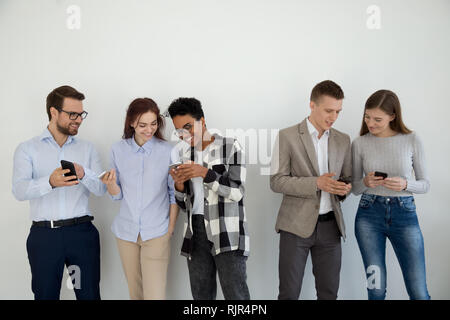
(69, 165)
(174, 166)
(346, 180)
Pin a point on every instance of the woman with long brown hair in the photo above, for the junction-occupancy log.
(140, 179)
(388, 168)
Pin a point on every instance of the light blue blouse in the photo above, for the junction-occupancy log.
(146, 188)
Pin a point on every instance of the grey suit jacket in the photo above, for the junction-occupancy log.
(294, 173)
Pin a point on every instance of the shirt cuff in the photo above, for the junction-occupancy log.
(117, 196)
(211, 176)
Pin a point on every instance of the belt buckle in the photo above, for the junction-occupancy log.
(52, 225)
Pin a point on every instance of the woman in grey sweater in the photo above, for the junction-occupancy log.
(387, 209)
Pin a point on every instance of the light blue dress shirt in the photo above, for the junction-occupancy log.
(146, 188)
(34, 162)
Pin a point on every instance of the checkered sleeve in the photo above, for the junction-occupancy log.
(228, 183)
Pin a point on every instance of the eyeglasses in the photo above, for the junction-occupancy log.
(185, 131)
(74, 115)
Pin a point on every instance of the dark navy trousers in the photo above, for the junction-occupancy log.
(77, 247)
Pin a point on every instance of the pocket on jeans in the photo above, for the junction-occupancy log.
(409, 205)
(365, 202)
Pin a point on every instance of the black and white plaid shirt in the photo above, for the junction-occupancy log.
(224, 212)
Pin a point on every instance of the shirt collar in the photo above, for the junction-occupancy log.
(313, 131)
(146, 147)
(46, 134)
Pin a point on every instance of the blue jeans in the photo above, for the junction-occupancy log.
(394, 218)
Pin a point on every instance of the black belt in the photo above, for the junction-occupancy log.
(326, 216)
(62, 223)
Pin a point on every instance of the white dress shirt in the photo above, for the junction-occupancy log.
(321, 146)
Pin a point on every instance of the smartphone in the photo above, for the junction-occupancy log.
(381, 174)
(345, 180)
(69, 165)
(102, 174)
(174, 166)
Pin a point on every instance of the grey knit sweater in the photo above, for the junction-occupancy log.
(401, 155)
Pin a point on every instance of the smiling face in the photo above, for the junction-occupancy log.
(145, 127)
(189, 129)
(324, 112)
(377, 122)
(61, 118)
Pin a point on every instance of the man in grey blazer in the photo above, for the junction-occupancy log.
(308, 160)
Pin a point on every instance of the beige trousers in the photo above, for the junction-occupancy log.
(145, 265)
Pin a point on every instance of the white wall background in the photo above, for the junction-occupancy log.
(252, 63)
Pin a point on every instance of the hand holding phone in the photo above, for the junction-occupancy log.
(374, 179)
(109, 178)
(380, 174)
(345, 180)
(101, 175)
(175, 176)
(69, 165)
(62, 177)
(174, 165)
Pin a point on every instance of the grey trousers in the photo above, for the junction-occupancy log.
(203, 267)
(325, 247)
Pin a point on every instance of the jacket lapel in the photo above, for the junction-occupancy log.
(305, 137)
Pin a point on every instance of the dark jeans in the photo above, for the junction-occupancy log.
(77, 247)
(325, 247)
(203, 266)
(394, 218)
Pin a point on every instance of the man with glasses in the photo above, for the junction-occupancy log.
(209, 187)
(61, 233)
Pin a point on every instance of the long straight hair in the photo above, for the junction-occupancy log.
(389, 103)
(136, 109)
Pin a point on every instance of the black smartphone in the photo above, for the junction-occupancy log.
(346, 180)
(381, 174)
(69, 165)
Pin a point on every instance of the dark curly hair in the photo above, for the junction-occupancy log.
(183, 106)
